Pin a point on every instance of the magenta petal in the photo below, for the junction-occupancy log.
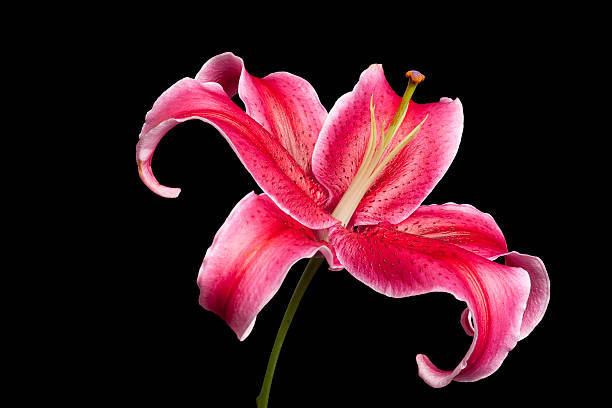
(459, 224)
(289, 108)
(249, 259)
(343, 139)
(286, 105)
(539, 295)
(465, 226)
(274, 170)
(224, 69)
(399, 265)
(466, 322)
(412, 174)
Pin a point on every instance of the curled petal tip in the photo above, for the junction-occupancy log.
(429, 373)
(466, 322)
(415, 76)
(147, 177)
(244, 334)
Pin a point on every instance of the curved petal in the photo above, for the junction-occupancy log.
(539, 295)
(458, 224)
(224, 69)
(465, 226)
(412, 174)
(399, 265)
(249, 259)
(269, 163)
(286, 105)
(466, 322)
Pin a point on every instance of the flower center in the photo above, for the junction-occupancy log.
(376, 155)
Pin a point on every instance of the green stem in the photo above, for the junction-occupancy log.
(311, 268)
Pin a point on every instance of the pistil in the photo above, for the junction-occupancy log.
(376, 157)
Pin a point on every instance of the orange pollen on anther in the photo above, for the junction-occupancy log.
(415, 76)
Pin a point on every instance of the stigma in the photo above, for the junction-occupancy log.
(415, 76)
(377, 155)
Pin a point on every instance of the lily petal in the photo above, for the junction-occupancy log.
(458, 224)
(249, 259)
(224, 69)
(466, 322)
(465, 226)
(343, 139)
(286, 105)
(399, 265)
(289, 108)
(412, 174)
(272, 167)
(539, 295)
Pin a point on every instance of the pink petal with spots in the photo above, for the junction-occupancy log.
(286, 105)
(465, 226)
(343, 139)
(399, 265)
(459, 224)
(249, 259)
(412, 174)
(272, 167)
(289, 108)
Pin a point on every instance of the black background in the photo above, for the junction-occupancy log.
(348, 346)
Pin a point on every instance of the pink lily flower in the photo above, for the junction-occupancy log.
(348, 186)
